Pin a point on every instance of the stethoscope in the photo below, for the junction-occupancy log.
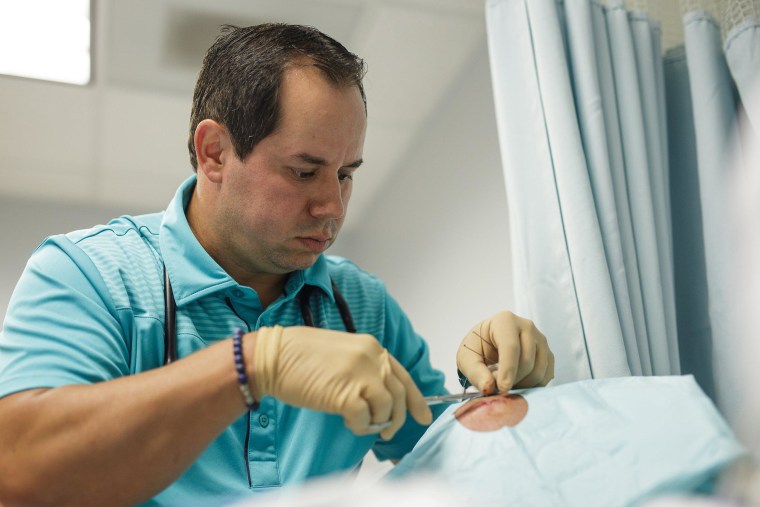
(304, 301)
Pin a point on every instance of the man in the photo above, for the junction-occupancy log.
(88, 417)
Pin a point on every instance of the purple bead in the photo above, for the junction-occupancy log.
(242, 378)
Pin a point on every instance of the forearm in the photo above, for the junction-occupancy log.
(117, 442)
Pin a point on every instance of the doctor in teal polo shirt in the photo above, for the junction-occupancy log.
(290, 364)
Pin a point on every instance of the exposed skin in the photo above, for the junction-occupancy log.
(491, 413)
(80, 441)
(260, 218)
(281, 207)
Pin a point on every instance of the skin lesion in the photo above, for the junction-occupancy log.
(491, 413)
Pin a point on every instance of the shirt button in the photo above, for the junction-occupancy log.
(237, 293)
(264, 420)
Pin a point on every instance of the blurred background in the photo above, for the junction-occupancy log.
(429, 214)
(429, 211)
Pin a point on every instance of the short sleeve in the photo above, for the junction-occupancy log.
(61, 326)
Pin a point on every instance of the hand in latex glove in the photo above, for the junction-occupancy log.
(515, 344)
(336, 372)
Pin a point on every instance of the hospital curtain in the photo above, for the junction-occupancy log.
(614, 143)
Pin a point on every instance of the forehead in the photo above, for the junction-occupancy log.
(317, 112)
(307, 91)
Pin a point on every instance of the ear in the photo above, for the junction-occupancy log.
(212, 148)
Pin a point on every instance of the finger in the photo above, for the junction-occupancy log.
(533, 354)
(479, 339)
(540, 365)
(379, 398)
(356, 416)
(505, 335)
(549, 370)
(509, 359)
(380, 401)
(414, 400)
(479, 375)
(529, 350)
(398, 414)
(474, 367)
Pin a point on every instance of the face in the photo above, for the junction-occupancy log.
(490, 413)
(284, 204)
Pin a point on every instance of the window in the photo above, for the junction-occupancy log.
(46, 39)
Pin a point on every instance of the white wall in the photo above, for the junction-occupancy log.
(102, 145)
(438, 232)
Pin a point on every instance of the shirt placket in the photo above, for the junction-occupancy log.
(262, 442)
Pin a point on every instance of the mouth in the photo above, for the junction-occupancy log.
(315, 243)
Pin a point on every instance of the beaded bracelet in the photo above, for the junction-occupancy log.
(242, 378)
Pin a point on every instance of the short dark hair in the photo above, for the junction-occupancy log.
(239, 82)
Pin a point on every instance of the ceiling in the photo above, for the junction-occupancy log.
(103, 141)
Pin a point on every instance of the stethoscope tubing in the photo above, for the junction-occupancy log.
(304, 300)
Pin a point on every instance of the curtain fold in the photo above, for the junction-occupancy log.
(714, 106)
(614, 158)
(590, 59)
(690, 272)
(541, 275)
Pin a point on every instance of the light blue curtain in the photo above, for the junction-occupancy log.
(614, 160)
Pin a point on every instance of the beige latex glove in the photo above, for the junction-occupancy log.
(515, 344)
(336, 372)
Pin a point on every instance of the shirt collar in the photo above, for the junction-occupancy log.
(194, 273)
(317, 275)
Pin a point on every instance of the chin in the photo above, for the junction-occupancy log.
(295, 263)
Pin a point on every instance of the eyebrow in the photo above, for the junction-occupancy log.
(311, 159)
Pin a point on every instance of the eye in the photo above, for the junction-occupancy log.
(345, 176)
(303, 175)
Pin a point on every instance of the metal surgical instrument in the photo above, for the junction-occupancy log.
(434, 400)
(304, 301)
(452, 398)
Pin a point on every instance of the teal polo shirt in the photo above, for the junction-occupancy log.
(89, 308)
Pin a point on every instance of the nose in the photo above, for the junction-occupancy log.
(328, 200)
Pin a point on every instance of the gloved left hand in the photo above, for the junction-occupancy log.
(514, 344)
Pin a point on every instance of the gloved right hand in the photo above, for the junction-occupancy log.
(336, 372)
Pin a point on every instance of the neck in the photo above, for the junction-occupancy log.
(267, 289)
(268, 286)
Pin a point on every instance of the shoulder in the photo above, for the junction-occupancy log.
(127, 239)
(124, 253)
(346, 273)
(123, 229)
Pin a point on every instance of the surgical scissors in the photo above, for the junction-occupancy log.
(434, 400)
(452, 398)
(437, 400)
